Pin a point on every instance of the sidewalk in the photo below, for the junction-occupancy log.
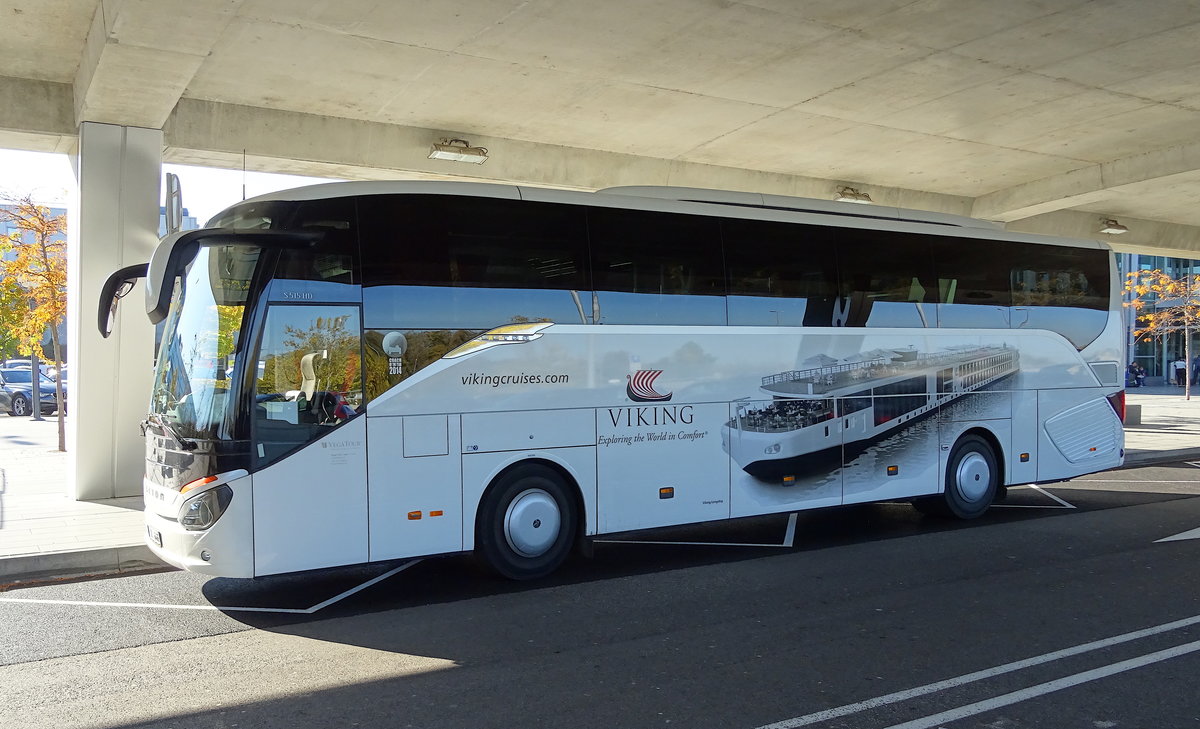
(44, 533)
(1170, 426)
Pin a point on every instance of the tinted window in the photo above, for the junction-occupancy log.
(328, 270)
(252, 215)
(972, 282)
(442, 262)
(1051, 276)
(886, 279)
(1061, 289)
(780, 274)
(656, 268)
(308, 377)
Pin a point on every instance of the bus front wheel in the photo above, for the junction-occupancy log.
(526, 523)
(972, 481)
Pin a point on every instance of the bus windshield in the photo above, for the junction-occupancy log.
(192, 385)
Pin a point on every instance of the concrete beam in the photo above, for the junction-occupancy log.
(266, 140)
(1087, 185)
(1145, 236)
(36, 109)
(136, 62)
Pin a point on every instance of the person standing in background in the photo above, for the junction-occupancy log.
(1179, 367)
(1135, 375)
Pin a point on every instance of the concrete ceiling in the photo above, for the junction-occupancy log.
(1046, 115)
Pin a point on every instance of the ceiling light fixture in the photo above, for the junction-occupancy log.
(1112, 227)
(849, 194)
(458, 150)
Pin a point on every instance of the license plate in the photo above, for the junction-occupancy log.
(154, 536)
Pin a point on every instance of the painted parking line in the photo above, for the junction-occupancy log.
(931, 688)
(217, 608)
(1131, 480)
(979, 707)
(1061, 503)
(1190, 534)
(789, 538)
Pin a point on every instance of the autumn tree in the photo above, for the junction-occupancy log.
(1164, 304)
(12, 307)
(38, 265)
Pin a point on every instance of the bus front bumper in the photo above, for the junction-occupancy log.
(226, 549)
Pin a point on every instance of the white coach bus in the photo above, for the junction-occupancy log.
(358, 372)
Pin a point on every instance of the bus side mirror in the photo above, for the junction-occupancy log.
(115, 287)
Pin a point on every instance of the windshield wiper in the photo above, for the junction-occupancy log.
(186, 444)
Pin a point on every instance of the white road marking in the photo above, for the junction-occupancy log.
(1061, 504)
(88, 603)
(363, 586)
(1041, 490)
(1129, 480)
(1192, 534)
(1028, 506)
(218, 608)
(1049, 687)
(788, 539)
(949, 683)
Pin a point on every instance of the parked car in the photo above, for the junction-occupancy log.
(17, 386)
(25, 364)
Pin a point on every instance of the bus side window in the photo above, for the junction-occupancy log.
(441, 269)
(886, 279)
(780, 274)
(1060, 289)
(445, 262)
(973, 288)
(656, 268)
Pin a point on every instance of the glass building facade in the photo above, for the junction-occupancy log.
(1157, 353)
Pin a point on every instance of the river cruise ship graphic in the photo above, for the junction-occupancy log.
(836, 409)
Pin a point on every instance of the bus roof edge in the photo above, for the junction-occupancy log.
(797, 204)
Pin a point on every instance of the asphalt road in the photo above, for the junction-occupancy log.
(1060, 609)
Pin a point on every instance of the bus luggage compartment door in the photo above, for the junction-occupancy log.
(414, 481)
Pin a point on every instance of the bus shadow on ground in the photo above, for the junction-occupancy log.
(458, 578)
(768, 620)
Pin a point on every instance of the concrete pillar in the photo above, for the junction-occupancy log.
(118, 170)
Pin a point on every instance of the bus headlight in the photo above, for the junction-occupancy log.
(771, 449)
(203, 511)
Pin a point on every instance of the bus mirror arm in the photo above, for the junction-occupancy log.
(116, 286)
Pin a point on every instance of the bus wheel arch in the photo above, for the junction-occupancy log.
(529, 520)
(973, 480)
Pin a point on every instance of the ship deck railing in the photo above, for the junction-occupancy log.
(832, 377)
(784, 425)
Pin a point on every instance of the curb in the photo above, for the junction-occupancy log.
(53, 565)
(1135, 459)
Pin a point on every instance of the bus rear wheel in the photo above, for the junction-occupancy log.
(972, 481)
(527, 522)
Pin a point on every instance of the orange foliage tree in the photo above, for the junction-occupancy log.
(1163, 304)
(39, 267)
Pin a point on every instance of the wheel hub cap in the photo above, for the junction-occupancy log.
(532, 522)
(973, 476)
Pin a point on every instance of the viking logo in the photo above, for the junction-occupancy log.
(640, 387)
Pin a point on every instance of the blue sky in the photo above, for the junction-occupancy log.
(206, 191)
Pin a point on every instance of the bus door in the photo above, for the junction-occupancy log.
(309, 440)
